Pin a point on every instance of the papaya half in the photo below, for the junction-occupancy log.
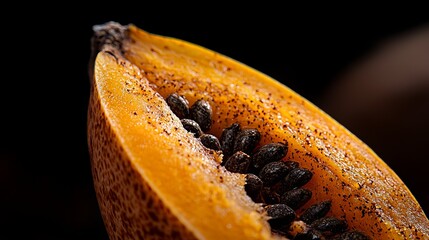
(154, 179)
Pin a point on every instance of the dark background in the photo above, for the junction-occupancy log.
(51, 191)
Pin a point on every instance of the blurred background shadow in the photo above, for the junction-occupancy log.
(368, 71)
(384, 99)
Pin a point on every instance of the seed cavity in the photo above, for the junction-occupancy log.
(201, 112)
(274, 182)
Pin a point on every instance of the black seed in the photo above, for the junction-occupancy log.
(201, 112)
(280, 215)
(352, 235)
(330, 225)
(316, 211)
(210, 141)
(227, 139)
(296, 198)
(246, 140)
(273, 172)
(192, 126)
(239, 162)
(292, 164)
(268, 153)
(270, 197)
(296, 178)
(311, 234)
(179, 105)
(253, 186)
(279, 233)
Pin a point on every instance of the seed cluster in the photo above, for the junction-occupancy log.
(271, 180)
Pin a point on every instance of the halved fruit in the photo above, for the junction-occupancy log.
(154, 179)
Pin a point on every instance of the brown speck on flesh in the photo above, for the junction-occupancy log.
(201, 112)
(221, 179)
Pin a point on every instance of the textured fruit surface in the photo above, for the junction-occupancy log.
(154, 179)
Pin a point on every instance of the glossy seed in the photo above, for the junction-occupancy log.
(296, 198)
(227, 139)
(352, 235)
(179, 105)
(268, 153)
(280, 215)
(311, 234)
(238, 163)
(192, 126)
(210, 141)
(201, 112)
(296, 178)
(292, 164)
(253, 186)
(246, 140)
(316, 211)
(270, 197)
(330, 225)
(273, 172)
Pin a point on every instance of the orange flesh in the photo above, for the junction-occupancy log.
(210, 201)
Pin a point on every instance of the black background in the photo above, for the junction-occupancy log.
(50, 192)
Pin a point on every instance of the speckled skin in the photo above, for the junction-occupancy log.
(121, 192)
